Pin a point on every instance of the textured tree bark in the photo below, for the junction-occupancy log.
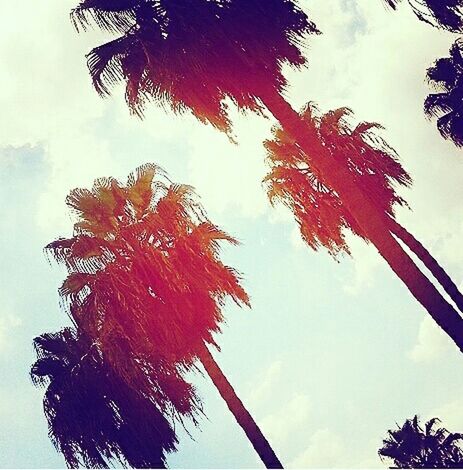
(374, 224)
(430, 262)
(241, 414)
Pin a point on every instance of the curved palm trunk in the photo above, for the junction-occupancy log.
(429, 261)
(241, 414)
(365, 213)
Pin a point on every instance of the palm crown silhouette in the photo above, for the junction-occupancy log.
(94, 418)
(415, 446)
(194, 53)
(446, 76)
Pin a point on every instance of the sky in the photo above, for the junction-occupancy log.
(333, 352)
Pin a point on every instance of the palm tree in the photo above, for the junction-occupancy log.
(445, 14)
(411, 446)
(146, 282)
(318, 209)
(445, 74)
(168, 49)
(94, 418)
(194, 53)
(446, 77)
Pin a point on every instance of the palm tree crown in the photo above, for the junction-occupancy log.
(412, 446)
(445, 14)
(145, 279)
(446, 76)
(319, 211)
(93, 416)
(191, 54)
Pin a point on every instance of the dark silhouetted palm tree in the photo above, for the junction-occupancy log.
(169, 50)
(413, 446)
(146, 281)
(446, 76)
(319, 211)
(94, 418)
(445, 14)
(191, 54)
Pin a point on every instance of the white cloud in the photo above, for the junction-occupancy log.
(365, 263)
(10, 321)
(8, 324)
(450, 414)
(296, 238)
(328, 449)
(280, 214)
(325, 450)
(265, 384)
(432, 343)
(229, 176)
(286, 421)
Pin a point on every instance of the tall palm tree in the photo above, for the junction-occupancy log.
(194, 53)
(318, 209)
(414, 446)
(446, 77)
(94, 418)
(146, 281)
(445, 14)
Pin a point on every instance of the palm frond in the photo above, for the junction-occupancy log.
(94, 418)
(114, 16)
(318, 209)
(166, 50)
(145, 280)
(105, 62)
(444, 14)
(412, 446)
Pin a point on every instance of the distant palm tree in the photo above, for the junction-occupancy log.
(190, 55)
(319, 211)
(446, 76)
(411, 446)
(146, 281)
(445, 14)
(94, 418)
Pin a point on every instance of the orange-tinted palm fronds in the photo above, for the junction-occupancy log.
(320, 213)
(145, 278)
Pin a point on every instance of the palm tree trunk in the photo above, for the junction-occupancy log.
(429, 261)
(241, 414)
(368, 218)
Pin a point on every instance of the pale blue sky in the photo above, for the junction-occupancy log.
(332, 354)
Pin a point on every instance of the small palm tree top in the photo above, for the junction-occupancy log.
(414, 446)
(319, 211)
(93, 416)
(191, 54)
(145, 277)
(446, 76)
(445, 14)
